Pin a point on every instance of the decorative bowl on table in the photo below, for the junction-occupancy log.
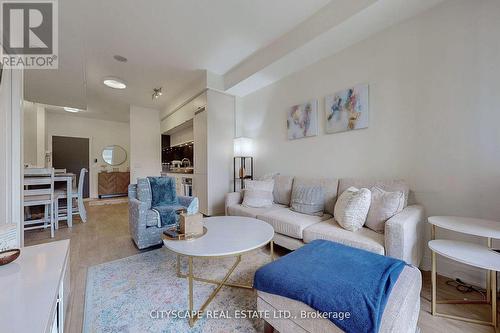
(9, 256)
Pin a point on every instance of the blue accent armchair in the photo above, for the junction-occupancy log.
(144, 223)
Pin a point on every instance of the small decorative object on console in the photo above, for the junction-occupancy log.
(9, 256)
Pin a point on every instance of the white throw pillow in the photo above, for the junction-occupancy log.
(258, 193)
(384, 206)
(352, 208)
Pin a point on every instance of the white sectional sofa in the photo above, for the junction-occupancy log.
(402, 238)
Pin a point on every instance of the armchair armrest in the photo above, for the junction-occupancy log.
(191, 203)
(232, 198)
(403, 235)
(137, 215)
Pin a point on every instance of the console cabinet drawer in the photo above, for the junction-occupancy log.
(113, 183)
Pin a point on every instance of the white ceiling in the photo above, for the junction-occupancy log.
(348, 23)
(168, 43)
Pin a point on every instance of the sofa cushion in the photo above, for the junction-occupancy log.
(290, 223)
(308, 200)
(329, 186)
(240, 210)
(258, 193)
(384, 206)
(144, 191)
(386, 185)
(287, 242)
(282, 189)
(364, 238)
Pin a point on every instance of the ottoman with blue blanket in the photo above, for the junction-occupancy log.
(329, 287)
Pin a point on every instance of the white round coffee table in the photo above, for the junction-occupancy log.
(225, 236)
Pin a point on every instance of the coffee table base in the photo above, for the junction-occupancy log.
(195, 315)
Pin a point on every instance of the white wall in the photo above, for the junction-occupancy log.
(145, 143)
(101, 133)
(434, 96)
(30, 133)
(41, 138)
(34, 134)
(11, 149)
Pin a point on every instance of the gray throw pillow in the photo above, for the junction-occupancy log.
(308, 200)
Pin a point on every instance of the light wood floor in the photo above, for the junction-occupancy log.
(105, 237)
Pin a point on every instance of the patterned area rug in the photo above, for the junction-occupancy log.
(142, 293)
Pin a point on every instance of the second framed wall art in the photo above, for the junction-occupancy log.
(347, 110)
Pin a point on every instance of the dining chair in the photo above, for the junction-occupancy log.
(77, 194)
(39, 191)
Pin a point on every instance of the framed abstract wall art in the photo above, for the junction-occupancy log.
(302, 120)
(347, 110)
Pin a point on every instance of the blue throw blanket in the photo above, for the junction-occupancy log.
(164, 199)
(334, 278)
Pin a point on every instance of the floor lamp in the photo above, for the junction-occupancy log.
(242, 153)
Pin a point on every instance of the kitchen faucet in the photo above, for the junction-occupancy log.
(188, 162)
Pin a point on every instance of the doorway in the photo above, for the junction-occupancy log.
(72, 154)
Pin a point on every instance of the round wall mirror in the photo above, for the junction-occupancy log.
(114, 155)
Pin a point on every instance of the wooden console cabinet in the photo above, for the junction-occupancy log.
(113, 184)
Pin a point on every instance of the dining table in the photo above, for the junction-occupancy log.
(66, 177)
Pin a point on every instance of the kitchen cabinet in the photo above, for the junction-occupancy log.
(212, 116)
(184, 113)
(200, 140)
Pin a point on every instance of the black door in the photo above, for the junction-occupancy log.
(72, 154)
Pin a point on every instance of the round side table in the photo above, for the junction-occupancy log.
(480, 256)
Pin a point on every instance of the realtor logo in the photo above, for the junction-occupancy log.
(29, 34)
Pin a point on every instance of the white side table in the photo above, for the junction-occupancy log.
(481, 256)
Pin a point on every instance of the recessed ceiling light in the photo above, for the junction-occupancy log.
(73, 110)
(114, 83)
(120, 58)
